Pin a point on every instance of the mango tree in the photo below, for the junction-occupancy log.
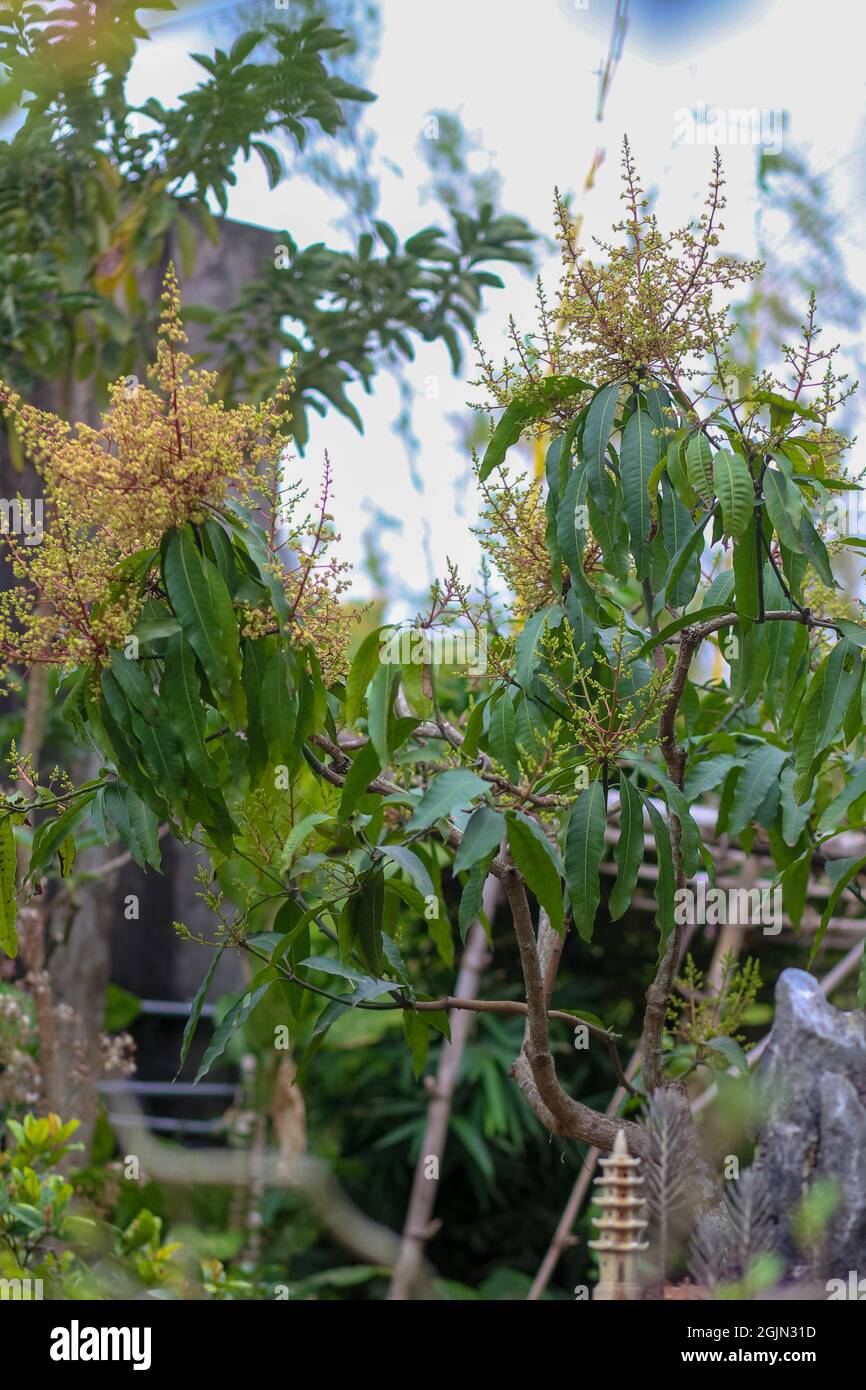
(197, 613)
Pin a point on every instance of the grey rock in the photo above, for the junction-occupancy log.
(811, 1092)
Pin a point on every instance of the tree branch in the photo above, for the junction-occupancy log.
(534, 1070)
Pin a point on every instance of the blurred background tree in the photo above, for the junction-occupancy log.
(94, 191)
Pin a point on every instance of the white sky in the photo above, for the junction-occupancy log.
(523, 76)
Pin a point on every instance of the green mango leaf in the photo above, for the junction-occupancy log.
(298, 834)
(66, 856)
(417, 1036)
(598, 427)
(735, 491)
(181, 703)
(677, 805)
(441, 934)
(135, 685)
(530, 731)
(135, 822)
(195, 1009)
(816, 550)
(761, 769)
(629, 850)
(785, 407)
(474, 728)
(584, 849)
(609, 529)
(794, 878)
(327, 1018)
(411, 864)
(256, 543)
(730, 1049)
(699, 466)
(677, 528)
(583, 630)
(676, 472)
(164, 758)
(256, 655)
(365, 767)
(529, 640)
(746, 577)
(482, 836)
(51, 835)
(203, 604)
(697, 615)
(449, 791)
(471, 899)
(691, 547)
(706, 775)
(234, 1019)
(660, 406)
(846, 870)
(855, 632)
(653, 485)
(639, 456)
(822, 712)
(277, 709)
(569, 534)
(779, 641)
(518, 414)
(380, 698)
(365, 664)
(784, 508)
(794, 816)
(721, 591)
(502, 735)
(665, 885)
(538, 863)
(365, 920)
(834, 814)
(830, 692)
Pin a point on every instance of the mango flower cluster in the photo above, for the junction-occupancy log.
(164, 455)
(645, 308)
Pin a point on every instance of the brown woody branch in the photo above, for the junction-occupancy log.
(535, 1071)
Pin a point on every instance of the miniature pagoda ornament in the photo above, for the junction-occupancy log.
(620, 1225)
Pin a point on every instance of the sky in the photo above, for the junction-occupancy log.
(524, 78)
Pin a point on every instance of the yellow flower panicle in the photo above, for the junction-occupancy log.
(164, 454)
(645, 307)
